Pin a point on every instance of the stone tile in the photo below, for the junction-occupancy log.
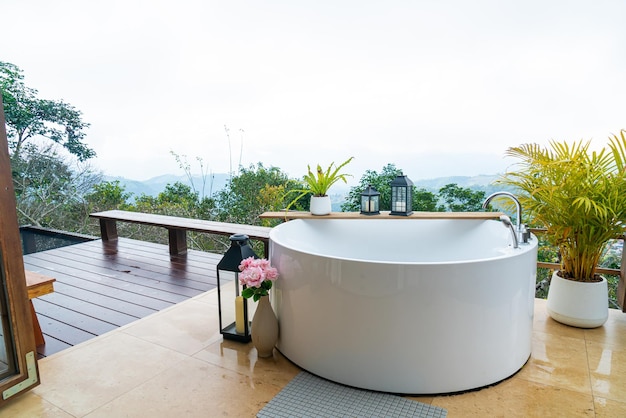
(209, 297)
(544, 323)
(607, 366)
(607, 408)
(612, 332)
(194, 388)
(242, 358)
(517, 397)
(84, 379)
(145, 369)
(558, 361)
(186, 328)
(30, 405)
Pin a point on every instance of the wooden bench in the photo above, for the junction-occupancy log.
(37, 285)
(177, 228)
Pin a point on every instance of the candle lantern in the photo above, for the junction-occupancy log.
(370, 201)
(233, 308)
(401, 196)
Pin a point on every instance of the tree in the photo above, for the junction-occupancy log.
(380, 181)
(108, 195)
(459, 199)
(255, 190)
(423, 200)
(49, 190)
(28, 116)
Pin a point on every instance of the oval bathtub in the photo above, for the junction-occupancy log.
(403, 305)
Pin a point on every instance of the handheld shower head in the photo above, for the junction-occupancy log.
(506, 221)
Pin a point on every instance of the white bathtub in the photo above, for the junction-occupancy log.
(403, 305)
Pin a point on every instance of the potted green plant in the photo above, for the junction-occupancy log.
(578, 196)
(317, 184)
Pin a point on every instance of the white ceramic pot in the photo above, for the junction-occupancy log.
(320, 205)
(579, 304)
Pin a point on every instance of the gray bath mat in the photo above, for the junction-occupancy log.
(310, 396)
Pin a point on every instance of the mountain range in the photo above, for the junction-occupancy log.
(216, 182)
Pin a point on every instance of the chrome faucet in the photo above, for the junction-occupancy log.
(522, 232)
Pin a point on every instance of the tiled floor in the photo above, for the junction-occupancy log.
(175, 364)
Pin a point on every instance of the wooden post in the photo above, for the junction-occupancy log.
(178, 241)
(108, 230)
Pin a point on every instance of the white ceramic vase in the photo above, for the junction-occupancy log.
(579, 304)
(320, 205)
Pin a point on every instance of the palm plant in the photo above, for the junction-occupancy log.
(577, 195)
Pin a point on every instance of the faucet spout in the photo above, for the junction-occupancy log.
(507, 222)
(521, 229)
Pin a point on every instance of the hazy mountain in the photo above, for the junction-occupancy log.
(481, 182)
(216, 182)
(155, 185)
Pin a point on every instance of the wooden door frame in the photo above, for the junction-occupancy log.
(27, 375)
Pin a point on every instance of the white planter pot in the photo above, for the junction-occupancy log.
(579, 304)
(320, 205)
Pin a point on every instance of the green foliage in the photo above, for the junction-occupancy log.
(578, 195)
(257, 293)
(176, 199)
(108, 195)
(28, 116)
(380, 181)
(318, 183)
(454, 197)
(425, 201)
(459, 199)
(252, 192)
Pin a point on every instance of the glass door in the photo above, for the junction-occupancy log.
(18, 360)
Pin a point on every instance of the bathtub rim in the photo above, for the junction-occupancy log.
(505, 252)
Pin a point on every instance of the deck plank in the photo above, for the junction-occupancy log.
(73, 318)
(147, 264)
(103, 285)
(103, 313)
(118, 289)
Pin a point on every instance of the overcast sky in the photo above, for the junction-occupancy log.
(436, 87)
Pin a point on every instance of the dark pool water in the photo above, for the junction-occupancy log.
(36, 239)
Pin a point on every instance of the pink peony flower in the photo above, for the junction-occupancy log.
(246, 263)
(252, 277)
(257, 275)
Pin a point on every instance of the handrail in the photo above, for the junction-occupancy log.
(601, 270)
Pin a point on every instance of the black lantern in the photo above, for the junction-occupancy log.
(233, 308)
(401, 196)
(370, 201)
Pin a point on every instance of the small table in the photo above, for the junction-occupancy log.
(37, 285)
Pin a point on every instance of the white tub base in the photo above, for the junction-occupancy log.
(411, 328)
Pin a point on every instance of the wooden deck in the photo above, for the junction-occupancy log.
(103, 285)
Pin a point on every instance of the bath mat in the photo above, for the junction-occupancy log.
(310, 396)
